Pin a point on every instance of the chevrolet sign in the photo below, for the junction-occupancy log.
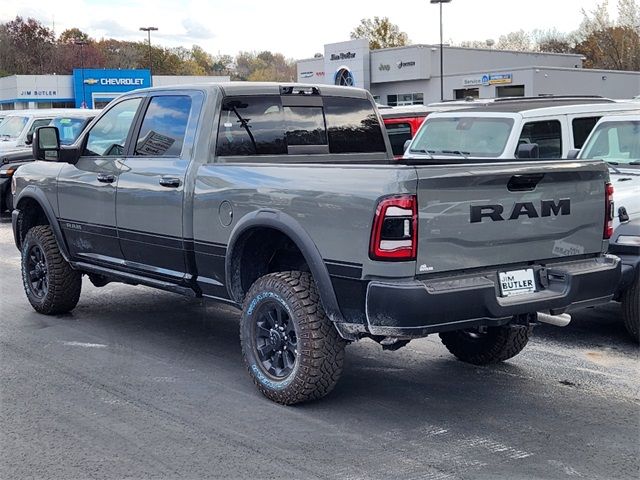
(115, 81)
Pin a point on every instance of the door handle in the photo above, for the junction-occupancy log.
(170, 182)
(106, 177)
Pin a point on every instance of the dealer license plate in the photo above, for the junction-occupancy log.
(517, 282)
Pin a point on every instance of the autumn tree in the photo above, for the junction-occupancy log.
(381, 33)
(32, 46)
(611, 44)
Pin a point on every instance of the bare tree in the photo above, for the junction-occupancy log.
(381, 33)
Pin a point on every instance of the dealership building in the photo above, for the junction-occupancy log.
(411, 75)
(90, 88)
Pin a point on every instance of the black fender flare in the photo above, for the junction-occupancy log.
(289, 226)
(36, 194)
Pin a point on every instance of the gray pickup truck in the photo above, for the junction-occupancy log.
(285, 201)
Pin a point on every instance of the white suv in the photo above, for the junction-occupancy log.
(508, 129)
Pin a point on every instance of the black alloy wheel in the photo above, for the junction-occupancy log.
(276, 341)
(37, 268)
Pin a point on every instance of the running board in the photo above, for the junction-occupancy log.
(132, 278)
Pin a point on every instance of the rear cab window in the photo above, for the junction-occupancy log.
(289, 125)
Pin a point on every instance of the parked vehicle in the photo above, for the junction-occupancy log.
(285, 201)
(69, 127)
(616, 140)
(626, 245)
(19, 124)
(402, 123)
(545, 128)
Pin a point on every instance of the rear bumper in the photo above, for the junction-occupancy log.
(450, 303)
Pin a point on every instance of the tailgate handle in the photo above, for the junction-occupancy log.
(524, 183)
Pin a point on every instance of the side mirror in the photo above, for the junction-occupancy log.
(528, 150)
(406, 145)
(29, 139)
(46, 144)
(573, 154)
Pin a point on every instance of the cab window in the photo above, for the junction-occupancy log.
(547, 134)
(108, 136)
(164, 126)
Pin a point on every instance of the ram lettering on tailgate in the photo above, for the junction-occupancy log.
(528, 209)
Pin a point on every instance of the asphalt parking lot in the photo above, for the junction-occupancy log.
(138, 383)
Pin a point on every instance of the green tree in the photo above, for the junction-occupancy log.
(380, 32)
(72, 34)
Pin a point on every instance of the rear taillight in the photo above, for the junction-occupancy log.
(608, 211)
(395, 229)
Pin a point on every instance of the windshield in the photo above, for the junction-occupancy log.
(468, 136)
(69, 128)
(12, 126)
(617, 143)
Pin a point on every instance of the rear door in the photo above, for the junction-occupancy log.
(484, 215)
(152, 186)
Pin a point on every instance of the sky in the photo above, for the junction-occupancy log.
(298, 29)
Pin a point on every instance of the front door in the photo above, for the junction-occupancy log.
(87, 190)
(152, 185)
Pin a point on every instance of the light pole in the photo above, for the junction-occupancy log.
(149, 30)
(441, 49)
(82, 43)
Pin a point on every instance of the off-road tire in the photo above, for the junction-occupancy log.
(631, 308)
(64, 283)
(495, 345)
(320, 349)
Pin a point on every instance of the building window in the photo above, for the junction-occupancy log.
(405, 99)
(464, 93)
(510, 91)
(63, 104)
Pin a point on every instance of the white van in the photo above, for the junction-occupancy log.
(17, 124)
(539, 127)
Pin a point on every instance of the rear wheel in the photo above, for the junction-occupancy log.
(486, 346)
(292, 350)
(51, 285)
(631, 308)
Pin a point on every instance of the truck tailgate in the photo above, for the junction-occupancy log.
(504, 213)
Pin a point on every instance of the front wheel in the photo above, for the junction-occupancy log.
(490, 345)
(631, 308)
(292, 350)
(51, 285)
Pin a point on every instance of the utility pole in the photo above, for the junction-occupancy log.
(441, 49)
(149, 30)
(82, 43)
